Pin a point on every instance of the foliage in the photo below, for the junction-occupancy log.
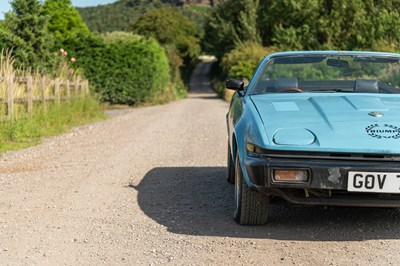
(124, 68)
(305, 24)
(27, 129)
(170, 28)
(3, 33)
(54, 120)
(326, 24)
(297, 25)
(119, 16)
(64, 21)
(113, 17)
(198, 14)
(241, 62)
(179, 36)
(391, 74)
(24, 30)
(178, 30)
(230, 24)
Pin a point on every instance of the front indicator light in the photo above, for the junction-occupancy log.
(290, 175)
(250, 147)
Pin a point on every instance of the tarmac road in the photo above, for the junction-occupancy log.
(148, 186)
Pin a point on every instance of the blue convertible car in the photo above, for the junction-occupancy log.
(316, 128)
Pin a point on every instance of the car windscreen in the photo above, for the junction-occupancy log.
(327, 73)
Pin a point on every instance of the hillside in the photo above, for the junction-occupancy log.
(120, 15)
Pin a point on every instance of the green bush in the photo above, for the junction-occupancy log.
(241, 62)
(124, 68)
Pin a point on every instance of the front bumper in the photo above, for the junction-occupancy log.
(327, 184)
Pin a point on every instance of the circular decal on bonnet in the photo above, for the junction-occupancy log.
(384, 131)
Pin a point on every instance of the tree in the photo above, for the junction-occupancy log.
(290, 24)
(117, 16)
(2, 35)
(305, 24)
(170, 28)
(328, 24)
(64, 21)
(247, 27)
(25, 32)
(176, 33)
(230, 24)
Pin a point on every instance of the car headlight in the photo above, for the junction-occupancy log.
(253, 150)
(250, 147)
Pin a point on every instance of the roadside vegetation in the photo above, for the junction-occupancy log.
(55, 119)
(31, 42)
(125, 68)
(27, 127)
(241, 32)
(144, 58)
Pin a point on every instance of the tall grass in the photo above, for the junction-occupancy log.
(28, 129)
(54, 120)
(8, 70)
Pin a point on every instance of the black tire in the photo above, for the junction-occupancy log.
(231, 167)
(251, 206)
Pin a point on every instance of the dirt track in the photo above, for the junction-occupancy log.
(148, 187)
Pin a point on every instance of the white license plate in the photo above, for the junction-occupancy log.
(373, 182)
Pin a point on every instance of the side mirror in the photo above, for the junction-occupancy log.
(234, 84)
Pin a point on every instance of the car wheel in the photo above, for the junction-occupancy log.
(231, 167)
(251, 206)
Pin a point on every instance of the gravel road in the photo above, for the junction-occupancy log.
(148, 187)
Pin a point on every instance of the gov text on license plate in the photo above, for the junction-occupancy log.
(373, 182)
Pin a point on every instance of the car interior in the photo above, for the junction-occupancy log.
(284, 85)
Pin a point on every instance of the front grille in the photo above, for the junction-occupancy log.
(330, 155)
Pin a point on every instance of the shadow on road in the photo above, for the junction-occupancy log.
(199, 201)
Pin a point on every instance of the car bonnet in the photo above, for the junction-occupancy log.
(331, 122)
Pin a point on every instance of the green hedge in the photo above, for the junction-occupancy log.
(124, 68)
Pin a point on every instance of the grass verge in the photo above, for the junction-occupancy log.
(56, 119)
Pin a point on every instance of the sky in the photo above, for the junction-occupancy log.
(5, 5)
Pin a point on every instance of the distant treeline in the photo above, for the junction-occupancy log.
(121, 15)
